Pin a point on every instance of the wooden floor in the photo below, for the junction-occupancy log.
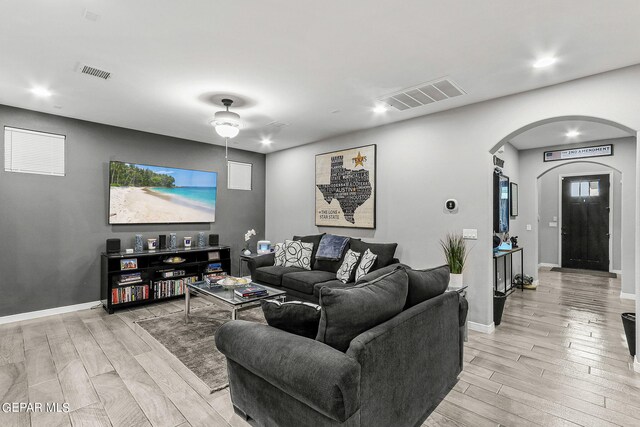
(558, 358)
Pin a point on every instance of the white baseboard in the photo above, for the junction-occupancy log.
(624, 295)
(480, 327)
(546, 264)
(618, 272)
(636, 364)
(47, 312)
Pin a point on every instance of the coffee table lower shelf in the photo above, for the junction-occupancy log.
(227, 298)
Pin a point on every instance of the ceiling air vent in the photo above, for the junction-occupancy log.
(423, 94)
(93, 71)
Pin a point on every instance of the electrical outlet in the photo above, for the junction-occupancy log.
(528, 227)
(470, 233)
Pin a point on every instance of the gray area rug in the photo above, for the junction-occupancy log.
(585, 272)
(194, 344)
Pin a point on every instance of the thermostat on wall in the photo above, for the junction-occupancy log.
(451, 205)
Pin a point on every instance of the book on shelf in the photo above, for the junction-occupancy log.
(250, 291)
(213, 277)
(170, 288)
(214, 266)
(128, 279)
(129, 294)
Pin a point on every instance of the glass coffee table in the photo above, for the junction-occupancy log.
(227, 298)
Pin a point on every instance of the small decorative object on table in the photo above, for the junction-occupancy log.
(138, 245)
(455, 253)
(201, 240)
(231, 283)
(152, 244)
(187, 242)
(173, 241)
(514, 241)
(247, 239)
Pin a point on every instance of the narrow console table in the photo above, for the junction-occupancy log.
(131, 279)
(504, 254)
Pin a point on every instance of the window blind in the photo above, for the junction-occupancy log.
(28, 151)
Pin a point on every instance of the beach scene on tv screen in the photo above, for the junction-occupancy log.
(143, 194)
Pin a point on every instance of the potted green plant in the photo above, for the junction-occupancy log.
(455, 253)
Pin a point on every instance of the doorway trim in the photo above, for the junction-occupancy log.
(610, 173)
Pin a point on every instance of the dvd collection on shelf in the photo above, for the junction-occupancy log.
(128, 279)
(173, 273)
(169, 288)
(129, 294)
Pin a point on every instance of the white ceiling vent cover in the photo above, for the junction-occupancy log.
(33, 152)
(93, 71)
(423, 94)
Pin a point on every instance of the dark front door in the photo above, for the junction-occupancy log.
(585, 222)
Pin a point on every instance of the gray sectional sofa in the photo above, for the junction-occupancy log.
(305, 285)
(394, 373)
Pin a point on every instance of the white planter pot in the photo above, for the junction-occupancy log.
(455, 280)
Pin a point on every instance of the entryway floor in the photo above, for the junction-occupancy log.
(585, 272)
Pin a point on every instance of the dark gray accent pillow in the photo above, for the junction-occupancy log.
(296, 317)
(315, 239)
(426, 284)
(332, 247)
(348, 312)
(384, 251)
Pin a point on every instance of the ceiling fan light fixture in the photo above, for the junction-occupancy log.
(226, 123)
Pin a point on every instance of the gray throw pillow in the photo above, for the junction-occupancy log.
(366, 264)
(296, 317)
(346, 270)
(426, 284)
(348, 312)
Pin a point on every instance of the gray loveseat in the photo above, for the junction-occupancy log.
(305, 285)
(393, 374)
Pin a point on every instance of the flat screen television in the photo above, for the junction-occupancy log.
(146, 194)
(500, 203)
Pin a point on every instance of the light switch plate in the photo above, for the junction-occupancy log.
(528, 227)
(553, 224)
(470, 233)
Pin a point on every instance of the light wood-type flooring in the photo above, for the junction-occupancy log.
(559, 358)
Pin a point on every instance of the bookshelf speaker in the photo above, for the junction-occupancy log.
(113, 246)
(162, 241)
(214, 240)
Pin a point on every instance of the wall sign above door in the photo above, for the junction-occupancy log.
(578, 153)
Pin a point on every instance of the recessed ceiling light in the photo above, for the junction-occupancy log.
(266, 141)
(544, 62)
(380, 109)
(572, 134)
(41, 92)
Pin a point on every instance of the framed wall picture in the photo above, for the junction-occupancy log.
(514, 199)
(346, 188)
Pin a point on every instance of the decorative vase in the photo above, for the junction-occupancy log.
(455, 280)
(201, 240)
(173, 241)
(152, 244)
(187, 242)
(247, 252)
(138, 245)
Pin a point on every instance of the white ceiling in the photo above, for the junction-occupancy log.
(295, 62)
(551, 134)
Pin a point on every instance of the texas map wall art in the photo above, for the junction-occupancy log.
(346, 188)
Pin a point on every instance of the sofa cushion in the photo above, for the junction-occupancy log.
(272, 275)
(330, 284)
(373, 275)
(315, 239)
(298, 254)
(346, 272)
(296, 317)
(384, 251)
(366, 264)
(348, 312)
(426, 284)
(332, 247)
(303, 281)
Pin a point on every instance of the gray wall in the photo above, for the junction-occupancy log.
(53, 229)
(425, 160)
(533, 209)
